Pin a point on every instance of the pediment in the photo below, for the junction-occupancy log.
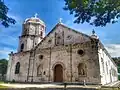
(62, 35)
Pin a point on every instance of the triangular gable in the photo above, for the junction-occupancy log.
(62, 34)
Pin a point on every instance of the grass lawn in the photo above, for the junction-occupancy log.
(1, 82)
(2, 86)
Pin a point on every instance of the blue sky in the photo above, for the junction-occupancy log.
(50, 11)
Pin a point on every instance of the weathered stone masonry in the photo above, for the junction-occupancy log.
(63, 55)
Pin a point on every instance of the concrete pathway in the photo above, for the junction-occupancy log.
(114, 84)
(48, 86)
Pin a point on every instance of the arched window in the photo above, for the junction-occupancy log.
(107, 67)
(41, 57)
(41, 33)
(82, 69)
(22, 47)
(103, 68)
(39, 70)
(17, 68)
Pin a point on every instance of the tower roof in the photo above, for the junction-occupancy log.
(34, 19)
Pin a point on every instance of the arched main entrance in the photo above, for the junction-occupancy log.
(58, 73)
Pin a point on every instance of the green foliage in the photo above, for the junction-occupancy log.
(4, 19)
(13, 81)
(117, 61)
(3, 66)
(119, 69)
(1, 82)
(119, 77)
(94, 12)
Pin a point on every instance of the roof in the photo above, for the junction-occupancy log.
(34, 20)
(107, 53)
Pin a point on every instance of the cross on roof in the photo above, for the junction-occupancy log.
(93, 32)
(60, 20)
(36, 15)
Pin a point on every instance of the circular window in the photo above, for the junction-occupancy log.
(49, 41)
(69, 37)
(80, 52)
(41, 57)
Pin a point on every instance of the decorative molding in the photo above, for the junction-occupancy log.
(61, 63)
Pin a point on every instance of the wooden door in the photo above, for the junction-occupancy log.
(58, 73)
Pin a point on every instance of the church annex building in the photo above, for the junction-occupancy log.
(63, 55)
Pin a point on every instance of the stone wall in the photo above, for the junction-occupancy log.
(62, 35)
(108, 69)
(61, 46)
(68, 57)
(23, 58)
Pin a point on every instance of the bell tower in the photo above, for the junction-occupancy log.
(33, 31)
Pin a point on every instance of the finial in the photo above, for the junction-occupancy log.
(36, 15)
(93, 31)
(60, 20)
(94, 34)
(11, 52)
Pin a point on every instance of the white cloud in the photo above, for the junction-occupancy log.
(113, 49)
(9, 40)
(4, 52)
(18, 19)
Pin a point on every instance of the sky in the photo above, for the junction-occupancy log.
(50, 11)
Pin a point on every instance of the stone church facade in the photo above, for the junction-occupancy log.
(63, 55)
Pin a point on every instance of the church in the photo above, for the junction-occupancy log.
(63, 55)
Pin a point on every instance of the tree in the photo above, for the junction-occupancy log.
(117, 61)
(3, 66)
(94, 12)
(4, 19)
